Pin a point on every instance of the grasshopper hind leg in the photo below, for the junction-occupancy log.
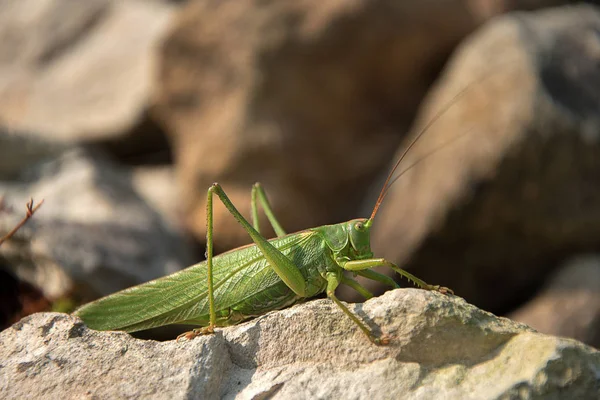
(281, 265)
(259, 192)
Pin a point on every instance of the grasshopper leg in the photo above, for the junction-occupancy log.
(363, 291)
(361, 265)
(283, 266)
(333, 282)
(286, 270)
(209, 267)
(376, 276)
(196, 332)
(259, 192)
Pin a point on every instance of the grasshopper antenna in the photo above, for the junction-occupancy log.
(388, 182)
(425, 156)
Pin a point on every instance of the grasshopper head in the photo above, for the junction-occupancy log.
(359, 232)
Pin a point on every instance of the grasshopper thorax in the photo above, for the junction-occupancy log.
(349, 240)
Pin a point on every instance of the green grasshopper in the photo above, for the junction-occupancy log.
(252, 280)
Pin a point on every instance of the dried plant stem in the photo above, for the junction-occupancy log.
(29, 213)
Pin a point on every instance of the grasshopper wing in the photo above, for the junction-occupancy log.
(183, 296)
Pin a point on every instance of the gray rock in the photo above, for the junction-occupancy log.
(19, 150)
(94, 234)
(78, 70)
(441, 347)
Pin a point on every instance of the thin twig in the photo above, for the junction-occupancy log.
(30, 211)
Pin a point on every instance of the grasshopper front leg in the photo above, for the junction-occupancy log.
(283, 267)
(333, 281)
(363, 268)
(365, 265)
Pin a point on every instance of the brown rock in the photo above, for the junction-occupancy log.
(306, 97)
(569, 304)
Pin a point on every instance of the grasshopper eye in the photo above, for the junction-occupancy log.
(359, 226)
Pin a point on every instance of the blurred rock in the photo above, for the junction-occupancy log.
(73, 72)
(513, 189)
(305, 97)
(490, 8)
(569, 304)
(76, 70)
(21, 149)
(157, 186)
(94, 234)
(441, 347)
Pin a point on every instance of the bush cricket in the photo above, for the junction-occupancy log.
(252, 280)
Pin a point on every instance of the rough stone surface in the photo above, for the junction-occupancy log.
(94, 234)
(442, 347)
(511, 190)
(78, 70)
(569, 303)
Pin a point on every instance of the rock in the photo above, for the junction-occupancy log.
(569, 304)
(68, 73)
(306, 97)
(94, 234)
(510, 190)
(18, 150)
(156, 185)
(442, 347)
(74, 70)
